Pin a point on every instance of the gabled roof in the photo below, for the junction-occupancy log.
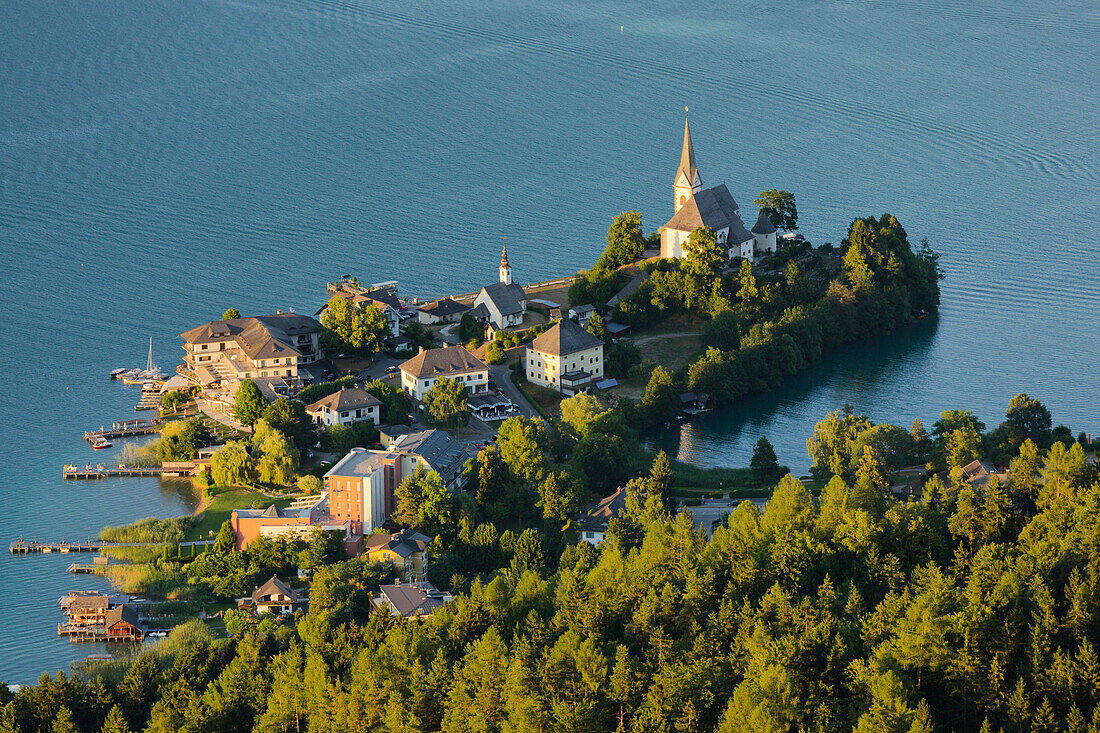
(404, 543)
(508, 299)
(437, 448)
(443, 362)
(565, 338)
(273, 587)
(261, 337)
(96, 601)
(125, 613)
(603, 511)
(444, 307)
(687, 158)
(763, 224)
(411, 599)
(354, 398)
(714, 208)
(480, 312)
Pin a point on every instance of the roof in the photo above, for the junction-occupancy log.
(437, 448)
(763, 224)
(603, 511)
(346, 399)
(714, 208)
(508, 299)
(410, 599)
(360, 462)
(586, 308)
(125, 613)
(615, 328)
(565, 338)
(607, 383)
(444, 307)
(629, 289)
(487, 400)
(300, 509)
(260, 337)
(443, 362)
(687, 157)
(404, 543)
(274, 587)
(97, 601)
(480, 312)
(380, 299)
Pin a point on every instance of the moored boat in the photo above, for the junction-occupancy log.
(116, 373)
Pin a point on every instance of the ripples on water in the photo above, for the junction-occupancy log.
(160, 162)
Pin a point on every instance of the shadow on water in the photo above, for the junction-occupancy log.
(859, 374)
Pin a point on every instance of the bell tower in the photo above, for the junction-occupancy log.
(687, 181)
(505, 268)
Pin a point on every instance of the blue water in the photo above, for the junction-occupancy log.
(162, 161)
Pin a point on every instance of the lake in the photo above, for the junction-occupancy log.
(162, 161)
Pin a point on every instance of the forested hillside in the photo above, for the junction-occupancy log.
(966, 608)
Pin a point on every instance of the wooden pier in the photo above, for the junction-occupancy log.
(123, 429)
(27, 547)
(100, 471)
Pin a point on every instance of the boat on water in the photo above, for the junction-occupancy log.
(116, 373)
(100, 443)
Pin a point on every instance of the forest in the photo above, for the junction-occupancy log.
(947, 605)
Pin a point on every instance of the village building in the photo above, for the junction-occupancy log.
(295, 521)
(266, 349)
(505, 300)
(419, 373)
(90, 609)
(443, 310)
(409, 600)
(582, 313)
(979, 474)
(600, 514)
(123, 623)
(566, 358)
(694, 207)
(359, 488)
(346, 407)
(407, 549)
(274, 596)
(434, 450)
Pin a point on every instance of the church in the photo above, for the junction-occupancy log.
(695, 206)
(504, 301)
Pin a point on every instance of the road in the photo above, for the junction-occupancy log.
(502, 377)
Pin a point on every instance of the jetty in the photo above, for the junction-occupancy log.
(123, 429)
(94, 472)
(24, 547)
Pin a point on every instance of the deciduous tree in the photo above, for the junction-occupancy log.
(780, 207)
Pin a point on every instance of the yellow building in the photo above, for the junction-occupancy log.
(407, 549)
(566, 358)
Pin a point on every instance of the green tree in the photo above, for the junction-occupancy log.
(625, 242)
(359, 328)
(469, 329)
(522, 443)
(661, 398)
(231, 314)
(227, 538)
(559, 497)
(446, 404)
(705, 257)
(278, 462)
(326, 548)
(231, 464)
(597, 327)
(580, 411)
(1028, 419)
(249, 404)
(780, 208)
(289, 418)
(861, 259)
(309, 484)
(659, 483)
(764, 464)
(115, 722)
(494, 353)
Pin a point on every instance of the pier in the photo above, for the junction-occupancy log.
(25, 547)
(94, 472)
(123, 429)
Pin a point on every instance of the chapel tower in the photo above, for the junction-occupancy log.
(688, 181)
(505, 268)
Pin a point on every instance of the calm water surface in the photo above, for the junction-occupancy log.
(162, 161)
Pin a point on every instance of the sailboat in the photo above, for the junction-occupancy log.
(152, 372)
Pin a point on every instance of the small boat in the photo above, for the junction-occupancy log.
(100, 443)
(157, 633)
(116, 373)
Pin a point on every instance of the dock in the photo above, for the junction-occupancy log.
(27, 547)
(95, 472)
(123, 429)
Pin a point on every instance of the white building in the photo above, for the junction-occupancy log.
(346, 407)
(443, 310)
(599, 515)
(694, 207)
(566, 358)
(419, 373)
(505, 300)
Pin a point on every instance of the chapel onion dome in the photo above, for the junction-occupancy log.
(763, 225)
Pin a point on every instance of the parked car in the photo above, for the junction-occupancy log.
(391, 369)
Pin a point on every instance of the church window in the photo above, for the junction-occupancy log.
(682, 199)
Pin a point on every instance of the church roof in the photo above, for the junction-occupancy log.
(687, 158)
(508, 299)
(714, 208)
(763, 224)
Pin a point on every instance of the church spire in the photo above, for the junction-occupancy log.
(505, 268)
(688, 182)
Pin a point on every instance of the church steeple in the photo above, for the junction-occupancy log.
(687, 181)
(505, 268)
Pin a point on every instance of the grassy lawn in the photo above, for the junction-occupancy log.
(672, 351)
(222, 505)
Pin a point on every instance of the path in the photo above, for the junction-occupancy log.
(656, 337)
(222, 418)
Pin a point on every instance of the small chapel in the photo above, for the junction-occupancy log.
(695, 206)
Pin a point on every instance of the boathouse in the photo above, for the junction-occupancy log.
(122, 623)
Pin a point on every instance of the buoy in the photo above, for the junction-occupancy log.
(621, 29)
